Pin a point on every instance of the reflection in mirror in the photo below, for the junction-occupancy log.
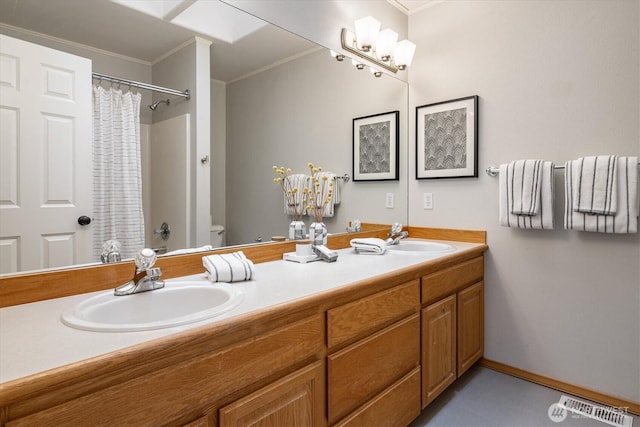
(294, 109)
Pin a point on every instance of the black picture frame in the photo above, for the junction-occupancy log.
(447, 139)
(376, 144)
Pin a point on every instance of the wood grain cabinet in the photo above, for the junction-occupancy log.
(296, 400)
(452, 325)
(377, 376)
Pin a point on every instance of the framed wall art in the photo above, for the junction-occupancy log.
(375, 147)
(447, 139)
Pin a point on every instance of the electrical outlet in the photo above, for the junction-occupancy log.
(389, 201)
(427, 201)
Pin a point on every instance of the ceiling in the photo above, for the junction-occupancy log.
(112, 27)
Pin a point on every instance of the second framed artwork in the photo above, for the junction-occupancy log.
(447, 139)
(375, 147)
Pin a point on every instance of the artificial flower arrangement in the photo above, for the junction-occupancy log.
(316, 192)
(294, 206)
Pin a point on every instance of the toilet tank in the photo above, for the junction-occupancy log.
(216, 233)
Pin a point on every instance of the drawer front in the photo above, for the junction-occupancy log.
(397, 406)
(192, 384)
(438, 285)
(295, 400)
(362, 370)
(366, 315)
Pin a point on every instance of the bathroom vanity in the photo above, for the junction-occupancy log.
(366, 340)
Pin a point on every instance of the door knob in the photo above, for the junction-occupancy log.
(84, 220)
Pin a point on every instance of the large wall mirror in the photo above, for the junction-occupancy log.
(287, 109)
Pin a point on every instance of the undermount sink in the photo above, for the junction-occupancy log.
(420, 247)
(178, 303)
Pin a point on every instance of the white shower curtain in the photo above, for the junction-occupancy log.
(117, 172)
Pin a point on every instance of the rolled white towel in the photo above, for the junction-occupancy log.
(232, 267)
(369, 245)
(596, 189)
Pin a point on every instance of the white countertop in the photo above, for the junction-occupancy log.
(33, 339)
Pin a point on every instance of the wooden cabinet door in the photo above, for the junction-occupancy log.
(470, 326)
(295, 400)
(438, 348)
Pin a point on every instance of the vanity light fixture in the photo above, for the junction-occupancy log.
(358, 65)
(380, 47)
(375, 72)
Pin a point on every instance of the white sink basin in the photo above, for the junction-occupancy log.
(178, 303)
(420, 247)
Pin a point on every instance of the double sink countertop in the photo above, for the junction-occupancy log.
(33, 338)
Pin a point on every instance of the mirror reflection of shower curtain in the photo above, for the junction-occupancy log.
(117, 171)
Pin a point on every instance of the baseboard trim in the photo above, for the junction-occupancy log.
(585, 393)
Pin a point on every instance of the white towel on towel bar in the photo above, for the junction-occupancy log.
(596, 189)
(524, 186)
(626, 218)
(232, 267)
(327, 180)
(293, 202)
(543, 220)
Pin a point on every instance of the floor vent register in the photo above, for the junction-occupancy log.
(612, 416)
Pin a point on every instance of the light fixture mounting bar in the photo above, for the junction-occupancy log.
(347, 35)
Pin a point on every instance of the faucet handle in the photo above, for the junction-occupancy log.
(145, 259)
(154, 273)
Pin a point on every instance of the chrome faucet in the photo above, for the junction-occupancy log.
(146, 277)
(396, 234)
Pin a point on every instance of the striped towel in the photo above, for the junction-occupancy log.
(543, 219)
(596, 190)
(232, 267)
(293, 204)
(524, 186)
(369, 245)
(626, 218)
(325, 185)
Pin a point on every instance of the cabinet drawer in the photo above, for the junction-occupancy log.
(438, 285)
(366, 315)
(296, 400)
(397, 406)
(362, 370)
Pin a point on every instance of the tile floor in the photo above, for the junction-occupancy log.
(483, 397)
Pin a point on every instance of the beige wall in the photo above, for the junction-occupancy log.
(557, 80)
(297, 113)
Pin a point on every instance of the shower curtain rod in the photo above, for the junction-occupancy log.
(131, 83)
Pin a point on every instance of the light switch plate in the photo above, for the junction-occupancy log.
(389, 201)
(427, 201)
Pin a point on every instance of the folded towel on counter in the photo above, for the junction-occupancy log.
(626, 218)
(543, 219)
(596, 189)
(232, 267)
(524, 186)
(369, 245)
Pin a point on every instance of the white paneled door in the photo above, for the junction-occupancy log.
(45, 157)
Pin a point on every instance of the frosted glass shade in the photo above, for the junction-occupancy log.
(404, 53)
(367, 29)
(386, 44)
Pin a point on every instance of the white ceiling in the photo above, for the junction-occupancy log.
(143, 29)
(110, 26)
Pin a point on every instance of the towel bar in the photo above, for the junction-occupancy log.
(495, 171)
